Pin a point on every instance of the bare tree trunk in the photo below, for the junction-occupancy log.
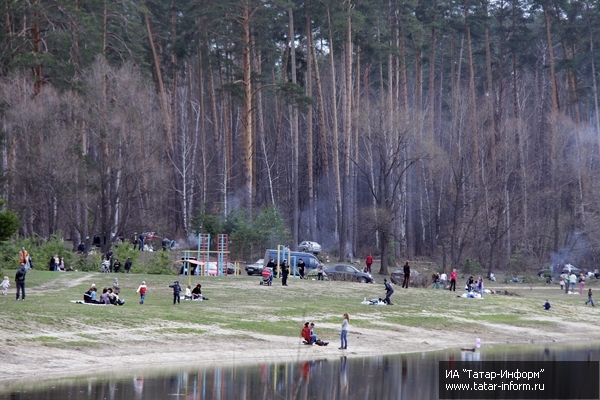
(347, 99)
(335, 140)
(312, 212)
(472, 98)
(294, 126)
(594, 84)
(247, 121)
(161, 90)
(320, 107)
(550, 159)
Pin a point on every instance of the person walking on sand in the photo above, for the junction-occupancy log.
(369, 262)
(176, 292)
(20, 280)
(590, 300)
(406, 275)
(141, 290)
(389, 290)
(344, 334)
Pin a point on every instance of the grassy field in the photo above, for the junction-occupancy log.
(240, 304)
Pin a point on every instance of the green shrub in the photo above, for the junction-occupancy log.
(160, 264)
(42, 253)
(91, 262)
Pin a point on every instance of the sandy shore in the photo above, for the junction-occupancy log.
(31, 361)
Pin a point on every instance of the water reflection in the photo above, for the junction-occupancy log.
(411, 376)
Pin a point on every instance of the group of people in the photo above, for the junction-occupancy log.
(310, 338)
(271, 270)
(571, 280)
(112, 264)
(109, 295)
(190, 294)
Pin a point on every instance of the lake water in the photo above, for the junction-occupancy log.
(407, 376)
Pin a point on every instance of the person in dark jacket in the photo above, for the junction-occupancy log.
(271, 264)
(128, 265)
(301, 268)
(20, 279)
(285, 270)
(52, 264)
(176, 292)
(406, 275)
(389, 291)
(117, 265)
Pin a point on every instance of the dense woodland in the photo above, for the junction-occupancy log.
(445, 130)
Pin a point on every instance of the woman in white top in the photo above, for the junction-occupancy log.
(345, 326)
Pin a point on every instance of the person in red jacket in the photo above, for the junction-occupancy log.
(306, 332)
(369, 261)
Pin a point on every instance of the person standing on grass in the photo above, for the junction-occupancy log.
(141, 290)
(285, 270)
(581, 283)
(369, 262)
(128, 264)
(389, 290)
(301, 268)
(344, 334)
(406, 275)
(453, 280)
(590, 300)
(573, 281)
(20, 279)
(176, 292)
(320, 268)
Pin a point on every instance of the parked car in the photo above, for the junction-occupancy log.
(256, 268)
(343, 272)
(309, 247)
(567, 269)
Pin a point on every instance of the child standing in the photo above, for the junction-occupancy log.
(176, 292)
(6, 283)
(142, 291)
(589, 300)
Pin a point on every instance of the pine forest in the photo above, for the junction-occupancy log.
(441, 130)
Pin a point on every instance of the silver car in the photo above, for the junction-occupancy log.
(309, 247)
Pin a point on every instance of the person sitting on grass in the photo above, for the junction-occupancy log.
(197, 293)
(114, 298)
(104, 296)
(90, 296)
(188, 293)
(547, 305)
